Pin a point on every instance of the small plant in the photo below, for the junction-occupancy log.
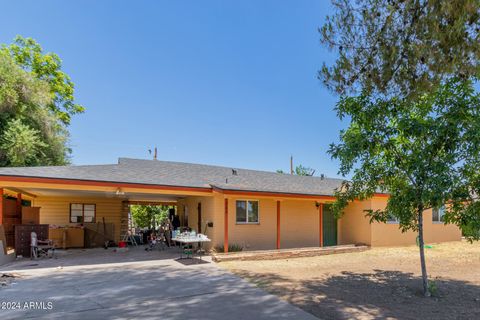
(231, 248)
(432, 287)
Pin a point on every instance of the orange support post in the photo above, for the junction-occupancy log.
(278, 224)
(225, 232)
(1, 205)
(320, 224)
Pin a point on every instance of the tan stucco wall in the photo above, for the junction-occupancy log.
(299, 221)
(56, 210)
(353, 227)
(253, 236)
(299, 224)
(208, 210)
(390, 235)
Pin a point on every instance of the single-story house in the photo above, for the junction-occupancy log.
(253, 209)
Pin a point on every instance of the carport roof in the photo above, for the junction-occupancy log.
(178, 174)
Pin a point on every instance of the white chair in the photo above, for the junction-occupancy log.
(39, 248)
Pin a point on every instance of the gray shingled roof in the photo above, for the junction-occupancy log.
(184, 175)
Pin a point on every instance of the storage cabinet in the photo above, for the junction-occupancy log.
(67, 237)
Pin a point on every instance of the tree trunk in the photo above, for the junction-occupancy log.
(421, 246)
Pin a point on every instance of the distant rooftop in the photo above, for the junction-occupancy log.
(179, 174)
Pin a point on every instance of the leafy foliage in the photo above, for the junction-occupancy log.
(21, 143)
(424, 154)
(146, 216)
(304, 171)
(231, 248)
(47, 67)
(400, 47)
(301, 170)
(414, 120)
(35, 106)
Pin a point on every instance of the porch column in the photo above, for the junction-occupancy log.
(320, 224)
(278, 224)
(19, 205)
(1, 208)
(225, 231)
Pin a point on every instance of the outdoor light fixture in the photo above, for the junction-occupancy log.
(119, 192)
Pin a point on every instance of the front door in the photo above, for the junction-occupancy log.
(329, 227)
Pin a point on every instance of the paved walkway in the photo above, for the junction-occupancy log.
(94, 284)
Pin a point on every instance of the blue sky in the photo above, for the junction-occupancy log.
(229, 83)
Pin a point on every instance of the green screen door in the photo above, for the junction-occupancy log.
(329, 227)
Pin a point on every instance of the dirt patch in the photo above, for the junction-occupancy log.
(379, 283)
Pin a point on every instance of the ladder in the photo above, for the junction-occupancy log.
(128, 236)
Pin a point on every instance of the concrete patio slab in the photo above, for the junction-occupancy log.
(109, 286)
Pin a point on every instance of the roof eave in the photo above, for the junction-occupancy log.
(101, 183)
(272, 193)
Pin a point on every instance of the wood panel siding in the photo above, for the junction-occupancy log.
(56, 210)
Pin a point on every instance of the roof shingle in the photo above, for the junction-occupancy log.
(184, 175)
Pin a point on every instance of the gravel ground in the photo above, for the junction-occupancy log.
(382, 283)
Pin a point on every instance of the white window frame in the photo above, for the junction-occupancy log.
(441, 214)
(83, 212)
(246, 211)
(396, 221)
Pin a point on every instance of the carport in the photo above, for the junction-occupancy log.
(74, 212)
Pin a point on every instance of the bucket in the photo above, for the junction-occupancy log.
(122, 244)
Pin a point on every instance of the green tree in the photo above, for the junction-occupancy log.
(29, 55)
(21, 143)
(300, 170)
(36, 103)
(424, 154)
(400, 47)
(304, 171)
(147, 216)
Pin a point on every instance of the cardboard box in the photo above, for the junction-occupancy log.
(67, 237)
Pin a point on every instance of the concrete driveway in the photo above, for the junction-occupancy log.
(95, 284)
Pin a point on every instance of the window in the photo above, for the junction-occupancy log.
(392, 219)
(247, 211)
(76, 212)
(80, 213)
(438, 213)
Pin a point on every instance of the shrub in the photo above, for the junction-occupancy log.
(231, 248)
